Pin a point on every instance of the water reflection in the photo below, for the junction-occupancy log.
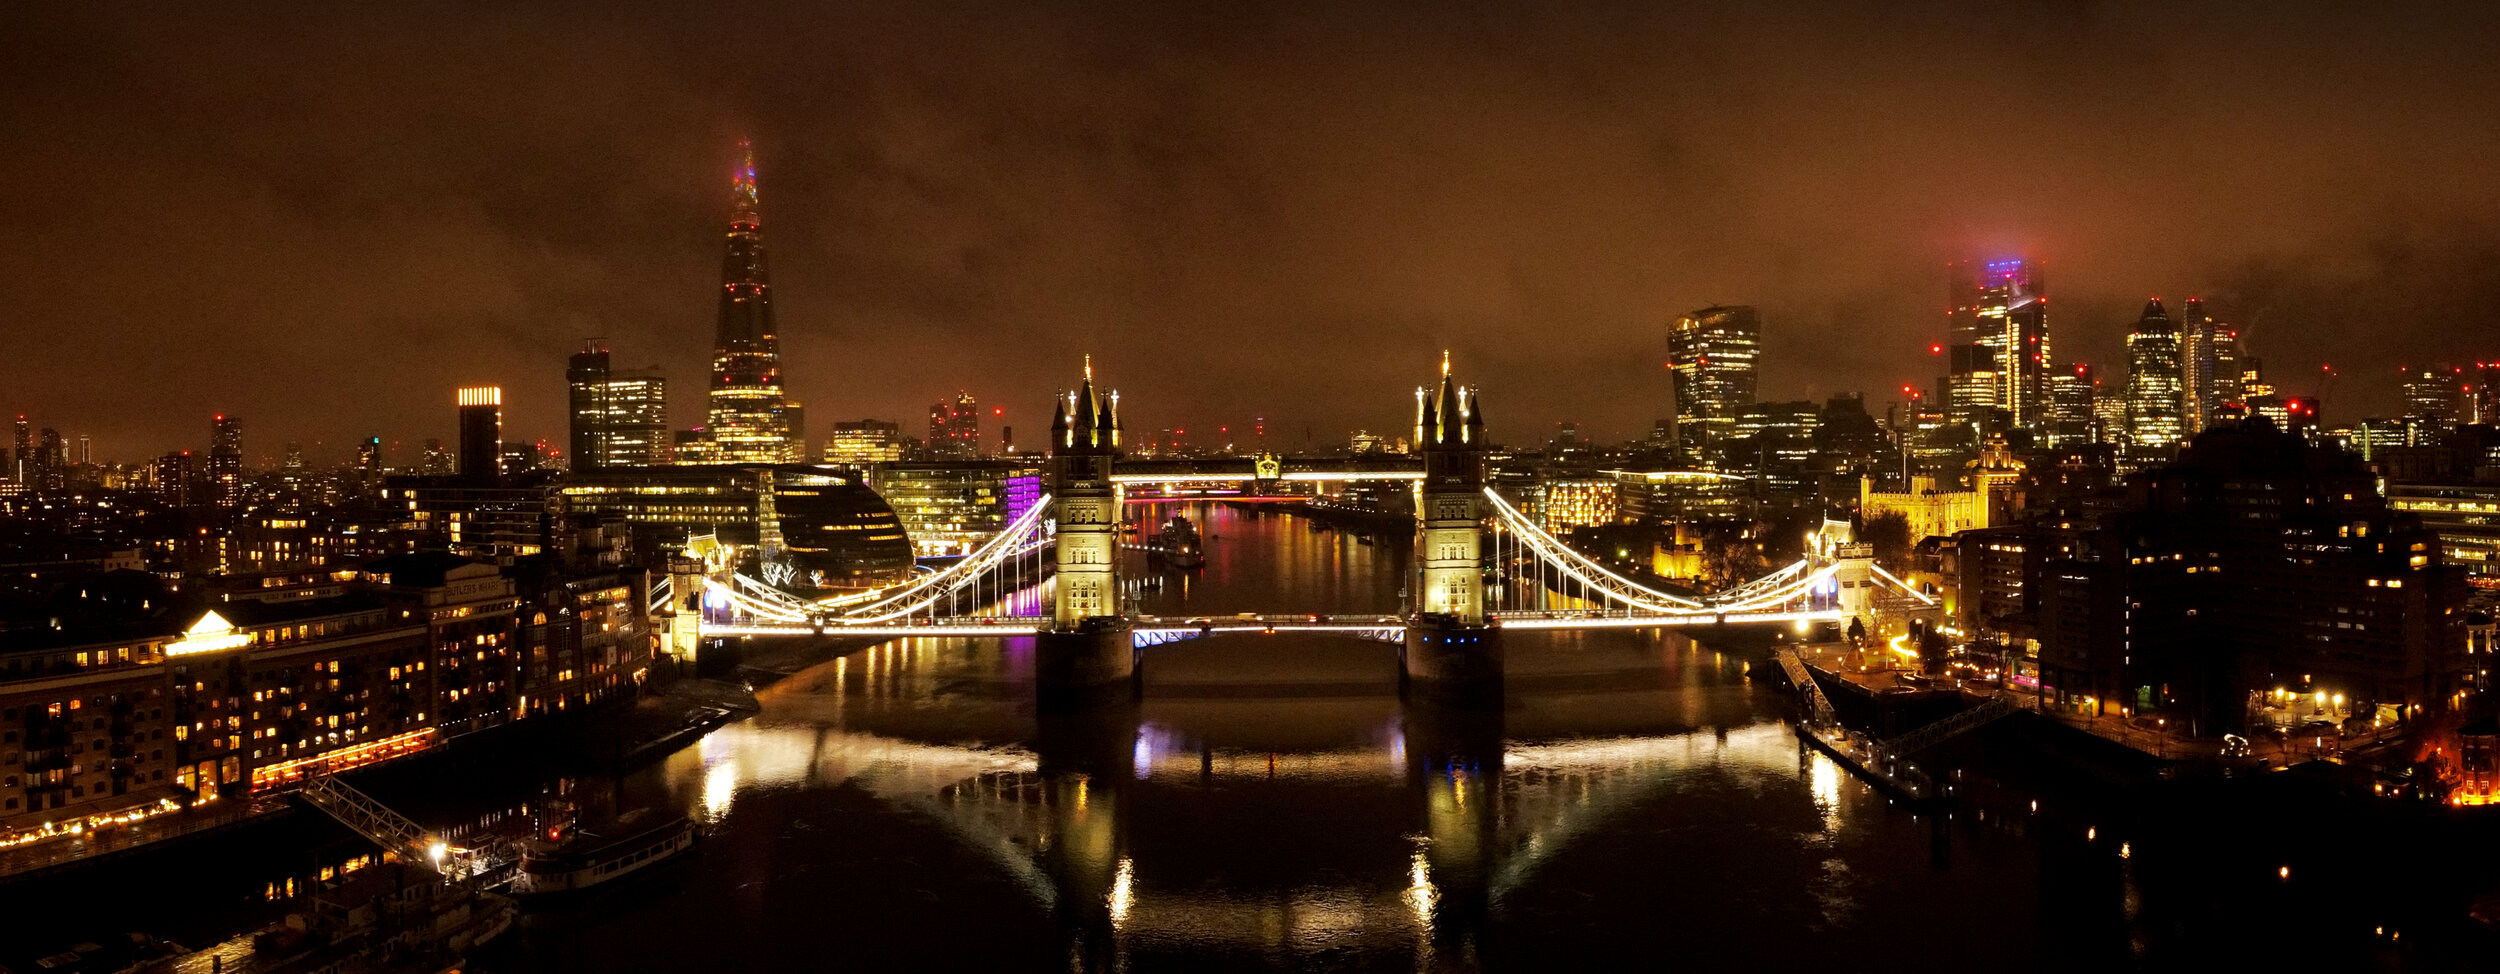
(1132, 833)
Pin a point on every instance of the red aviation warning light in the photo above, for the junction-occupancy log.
(1936, 349)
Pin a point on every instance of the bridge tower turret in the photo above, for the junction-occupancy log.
(1448, 640)
(1087, 643)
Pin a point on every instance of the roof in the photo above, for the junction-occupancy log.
(424, 569)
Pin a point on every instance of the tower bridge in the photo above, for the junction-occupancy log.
(1480, 567)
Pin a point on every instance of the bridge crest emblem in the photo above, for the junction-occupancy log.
(1267, 467)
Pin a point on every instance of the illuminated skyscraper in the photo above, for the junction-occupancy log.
(2196, 367)
(2209, 363)
(2435, 393)
(1997, 344)
(1712, 353)
(619, 419)
(25, 449)
(481, 432)
(2154, 422)
(750, 421)
(2486, 393)
(225, 462)
(2071, 417)
(955, 428)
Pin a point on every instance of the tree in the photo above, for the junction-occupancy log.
(1889, 532)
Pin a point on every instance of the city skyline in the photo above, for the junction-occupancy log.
(970, 228)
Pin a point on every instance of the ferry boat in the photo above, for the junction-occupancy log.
(590, 856)
(1181, 547)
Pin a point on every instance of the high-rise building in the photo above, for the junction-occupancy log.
(2486, 393)
(2072, 418)
(1997, 343)
(620, 419)
(369, 456)
(180, 480)
(481, 432)
(25, 452)
(2434, 392)
(225, 462)
(2197, 366)
(50, 471)
(864, 442)
(955, 428)
(1712, 353)
(750, 420)
(2155, 426)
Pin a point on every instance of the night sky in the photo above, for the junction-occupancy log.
(323, 217)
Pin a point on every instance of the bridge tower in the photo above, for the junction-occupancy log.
(1087, 643)
(1448, 643)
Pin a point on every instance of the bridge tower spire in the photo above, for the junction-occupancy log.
(1449, 641)
(1087, 643)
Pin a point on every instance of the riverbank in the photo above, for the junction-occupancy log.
(625, 733)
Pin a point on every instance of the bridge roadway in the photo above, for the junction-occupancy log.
(1157, 630)
(1130, 470)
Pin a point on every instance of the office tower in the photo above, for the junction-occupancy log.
(2154, 423)
(2227, 397)
(1997, 343)
(620, 419)
(369, 456)
(864, 442)
(2434, 392)
(2197, 364)
(749, 420)
(1712, 354)
(2209, 362)
(2073, 416)
(481, 432)
(25, 453)
(86, 450)
(225, 462)
(955, 428)
(2486, 393)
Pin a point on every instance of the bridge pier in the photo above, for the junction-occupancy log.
(1452, 663)
(1092, 662)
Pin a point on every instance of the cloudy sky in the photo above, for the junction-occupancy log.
(324, 217)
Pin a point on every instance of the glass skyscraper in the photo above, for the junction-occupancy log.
(2155, 407)
(750, 420)
(1997, 345)
(1712, 353)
